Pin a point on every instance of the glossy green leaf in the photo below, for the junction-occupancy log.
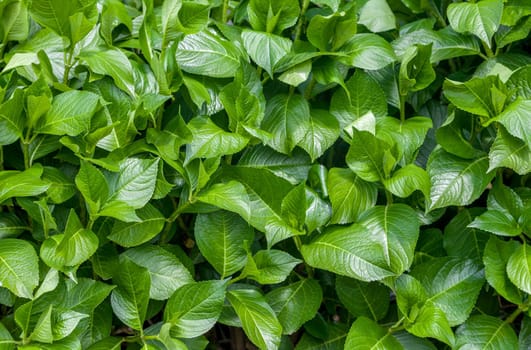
(70, 114)
(455, 181)
(366, 156)
(296, 303)
(510, 152)
(368, 299)
(272, 16)
(515, 119)
(377, 16)
(496, 222)
(461, 239)
(208, 54)
(518, 268)
(452, 285)
(287, 119)
(220, 237)
(19, 269)
(265, 49)
(130, 299)
(407, 180)
(366, 334)
(368, 51)
(322, 133)
(431, 322)
(270, 266)
(350, 195)
(194, 308)
(167, 273)
(22, 183)
(486, 332)
(334, 339)
(130, 234)
(364, 96)
(416, 71)
(257, 317)
(481, 19)
(11, 119)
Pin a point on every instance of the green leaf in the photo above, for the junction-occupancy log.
(460, 239)
(368, 51)
(43, 329)
(265, 49)
(322, 133)
(12, 120)
(366, 156)
(431, 322)
(378, 246)
(365, 334)
(296, 303)
(416, 71)
(273, 16)
(220, 237)
(135, 183)
(66, 251)
(130, 299)
(363, 96)
(332, 31)
(452, 285)
(25, 183)
(496, 222)
(334, 339)
(195, 308)
(258, 319)
(19, 267)
(70, 114)
(208, 54)
(511, 152)
(210, 141)
(167, 273)
(130, 234)
(451, 137)
(11, 225)
(486, 332)
(456, 181)
(519, 81)
(475, 95)
(368, 299)
(407, 180)
(61, 187)
(515, 119)
(495, 258)
(350, 195)
(114, 63)
(270, 266)
(519, 268)
(287, 119)
(377, 16)
(481, 19)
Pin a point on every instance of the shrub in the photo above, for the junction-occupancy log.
(317, 175)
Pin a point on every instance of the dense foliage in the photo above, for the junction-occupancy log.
(320, 174)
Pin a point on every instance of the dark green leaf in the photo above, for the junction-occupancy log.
(368, 335)
(368, 299)
(486, 332)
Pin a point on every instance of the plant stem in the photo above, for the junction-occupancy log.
(514, 315)
(25, 152)
(1, 158)
(403, 107)
(309, 89)
(224, 10)
(388, 197)
(298, 29)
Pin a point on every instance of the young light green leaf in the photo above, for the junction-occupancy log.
(452, 285)
(364, 95)
(167, 273)
(70, 114)
(270, 266)
(511, 152)
(456, 181)
(25, 183)
(296, 303)
(377, 16)
(208, 54)
(367, 51)
(368, 299)
(194, 308)
(495, 258)
(515, 119)
(12, 120)
(43, 329)
(287, 119)
(407, 180)
(210, 141)
(519, 268)
(486, 332)
(258, 319)
(431, 322)
(323, 131)
(130, 234)
(19, 267)
(481, 19)
(130, 299)
(273, 16)
(349, 194)
(368, 335)
(366, 156)
(220, 237)
(265, 49)
(416, 71)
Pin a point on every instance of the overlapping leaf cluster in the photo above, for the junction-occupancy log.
(320, 174)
